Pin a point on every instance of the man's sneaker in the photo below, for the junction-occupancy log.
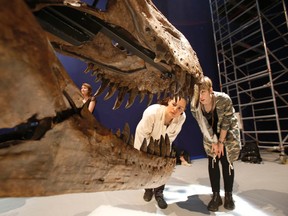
(148, 195)
(161, 202)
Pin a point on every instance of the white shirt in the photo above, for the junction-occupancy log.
(152, 125)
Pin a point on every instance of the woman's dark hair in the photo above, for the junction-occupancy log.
(164, 101)
(167, 99)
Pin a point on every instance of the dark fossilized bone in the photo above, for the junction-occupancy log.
(131, 48)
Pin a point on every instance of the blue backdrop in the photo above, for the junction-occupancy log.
(192, 18)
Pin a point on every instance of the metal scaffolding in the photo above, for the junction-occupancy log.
(251, 41)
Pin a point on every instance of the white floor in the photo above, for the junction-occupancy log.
(259, 189)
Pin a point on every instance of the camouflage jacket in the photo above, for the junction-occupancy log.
(227, 120)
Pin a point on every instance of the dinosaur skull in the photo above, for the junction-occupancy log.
(131, 48)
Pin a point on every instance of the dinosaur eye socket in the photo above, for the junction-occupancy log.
(121, 48)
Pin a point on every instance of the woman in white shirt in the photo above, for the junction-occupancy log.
(160, 119)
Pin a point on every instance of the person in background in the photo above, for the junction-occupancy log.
(86, 91)
(182, 156)
(160, 119)
(184, 161)
(221, 139)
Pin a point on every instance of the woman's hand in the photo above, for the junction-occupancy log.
(215, 148)
(220, 150)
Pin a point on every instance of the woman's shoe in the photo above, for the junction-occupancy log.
(161, 202)
(228, 201)
(148, 195)
(215, 202)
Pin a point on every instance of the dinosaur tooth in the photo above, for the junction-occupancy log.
(112, 89)
(98, 77)
(158, 95)
(165, 94)
(118, 133)
(120, 97)
(142, 96)
(188, 81)
(126, 133)
(162, 146)
(131, 140)
(144, 146)
(195, 98)
(151, 146)
(172, 87)
(156, 148)
(177, 88)
(95, 72)
(167, 142)
(132, 95)
(181, 94)
(150, 99)
(104, 84)
(88, 68)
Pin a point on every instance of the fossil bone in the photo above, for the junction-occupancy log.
(131, 48)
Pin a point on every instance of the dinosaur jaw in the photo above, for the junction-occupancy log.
(68, 160)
